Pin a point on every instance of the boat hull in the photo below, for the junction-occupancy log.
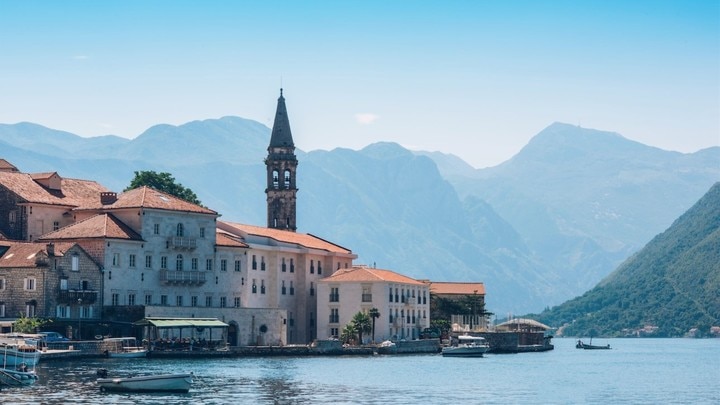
(128, 355)
(152, 383)
(475, 351)
(13, 357)
(14, 378)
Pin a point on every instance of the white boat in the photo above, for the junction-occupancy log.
(15, 351)
(125, 348)
(468, 346)
(148, 383)
(17, 377)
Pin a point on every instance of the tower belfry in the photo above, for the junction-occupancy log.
(281, 164)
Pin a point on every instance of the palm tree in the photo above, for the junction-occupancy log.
(348, 333)
(374, 314)
(361, 322)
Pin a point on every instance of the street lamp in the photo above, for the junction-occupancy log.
(79, 316)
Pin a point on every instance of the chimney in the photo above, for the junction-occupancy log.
(50, 249)
(107, 198)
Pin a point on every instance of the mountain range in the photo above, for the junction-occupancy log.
(543, 227)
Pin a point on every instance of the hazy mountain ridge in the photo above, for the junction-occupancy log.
(533, 246)
(666, 289)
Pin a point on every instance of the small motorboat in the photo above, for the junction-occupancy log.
(468, 346)
(15, 351)
(125, 348)
(581, 345)
(148, 383)
(19, 376)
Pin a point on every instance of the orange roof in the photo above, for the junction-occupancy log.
(24, 254)
(98, 226)
(448, 288)
(146, 197)
(302, 239)
(361, 274)
(73, 192)
(225, 239)
(7, 166)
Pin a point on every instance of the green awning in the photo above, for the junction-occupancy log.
(182, 323)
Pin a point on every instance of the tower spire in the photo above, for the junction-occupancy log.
(281, 164)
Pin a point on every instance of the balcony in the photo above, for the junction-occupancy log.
(182, 243)
(71, 297)
(174, 277)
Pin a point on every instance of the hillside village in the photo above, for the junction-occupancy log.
(96, 262)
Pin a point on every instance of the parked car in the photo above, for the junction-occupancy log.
(52, 337)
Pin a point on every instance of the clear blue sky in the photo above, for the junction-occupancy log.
(474, 78)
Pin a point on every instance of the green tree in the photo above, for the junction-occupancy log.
(164, 182)
(348, 333)
(361, 323)
(29, 325)
(374, 314)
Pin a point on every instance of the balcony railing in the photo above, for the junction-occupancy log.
(182, 243)
(174, 277)
(72, 296)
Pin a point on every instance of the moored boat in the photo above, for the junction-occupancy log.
(17, 377)
(149, 383)
(125, 348)
(581, 345)
(468, 346)
(17, 351)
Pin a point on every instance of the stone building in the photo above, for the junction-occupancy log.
(403, 303)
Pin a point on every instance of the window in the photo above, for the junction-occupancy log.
(193, 301)
(254, 263)
(334, 315)
(223, 302)
(156, 229)
(262, 286)
(29, 284)
(287, 178)
(179, 262)
(202, 232)
(194, 264)
(148, 299)
(334, 332)
(131, 299)
(424, 297)
(292, 265)
(115, 298)
(262, 263)
(2, 284)
(2, 310)
(208, 265)
(163, 262)
(275, 179)
(148, 261)
(312, 288)
(84, 285)
(237, 302)
(30, 310)
(208, 301)
(292, 289)
(62, 311)
(319, 267)
(312, 266)
(131, 261)
(284, 290)
(254, 287)
(366, 294)
(180, 230)
(179, 301)
(390, 298)
(75, 263)
(163, 300)
(334, 294)
(116, 259)
(56, 225)
(223, 265)
(283, 266)
(237, 265)
(12, 217)
(86, 312)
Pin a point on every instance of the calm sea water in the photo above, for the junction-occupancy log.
(638, 371)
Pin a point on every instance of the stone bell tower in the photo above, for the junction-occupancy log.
(281, 165)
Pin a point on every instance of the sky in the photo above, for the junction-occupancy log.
(477, 78)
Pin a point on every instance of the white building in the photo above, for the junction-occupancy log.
(403, 303)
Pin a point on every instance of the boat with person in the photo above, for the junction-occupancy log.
(590, 346)
(19, 376)
(149, 383)
(467, 346)
(125, 347)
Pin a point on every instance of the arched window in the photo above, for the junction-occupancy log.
(287, 178)
(180, 230)
(179, 263)
(276, 179)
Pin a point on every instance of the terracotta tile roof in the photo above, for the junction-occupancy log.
(368, 274)
(146, 197)
(99, 226)
(225, 239)
(303, 239)
(447, 288)
(73, 192)
(7, 166)
(42, 176)
(24, 254)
